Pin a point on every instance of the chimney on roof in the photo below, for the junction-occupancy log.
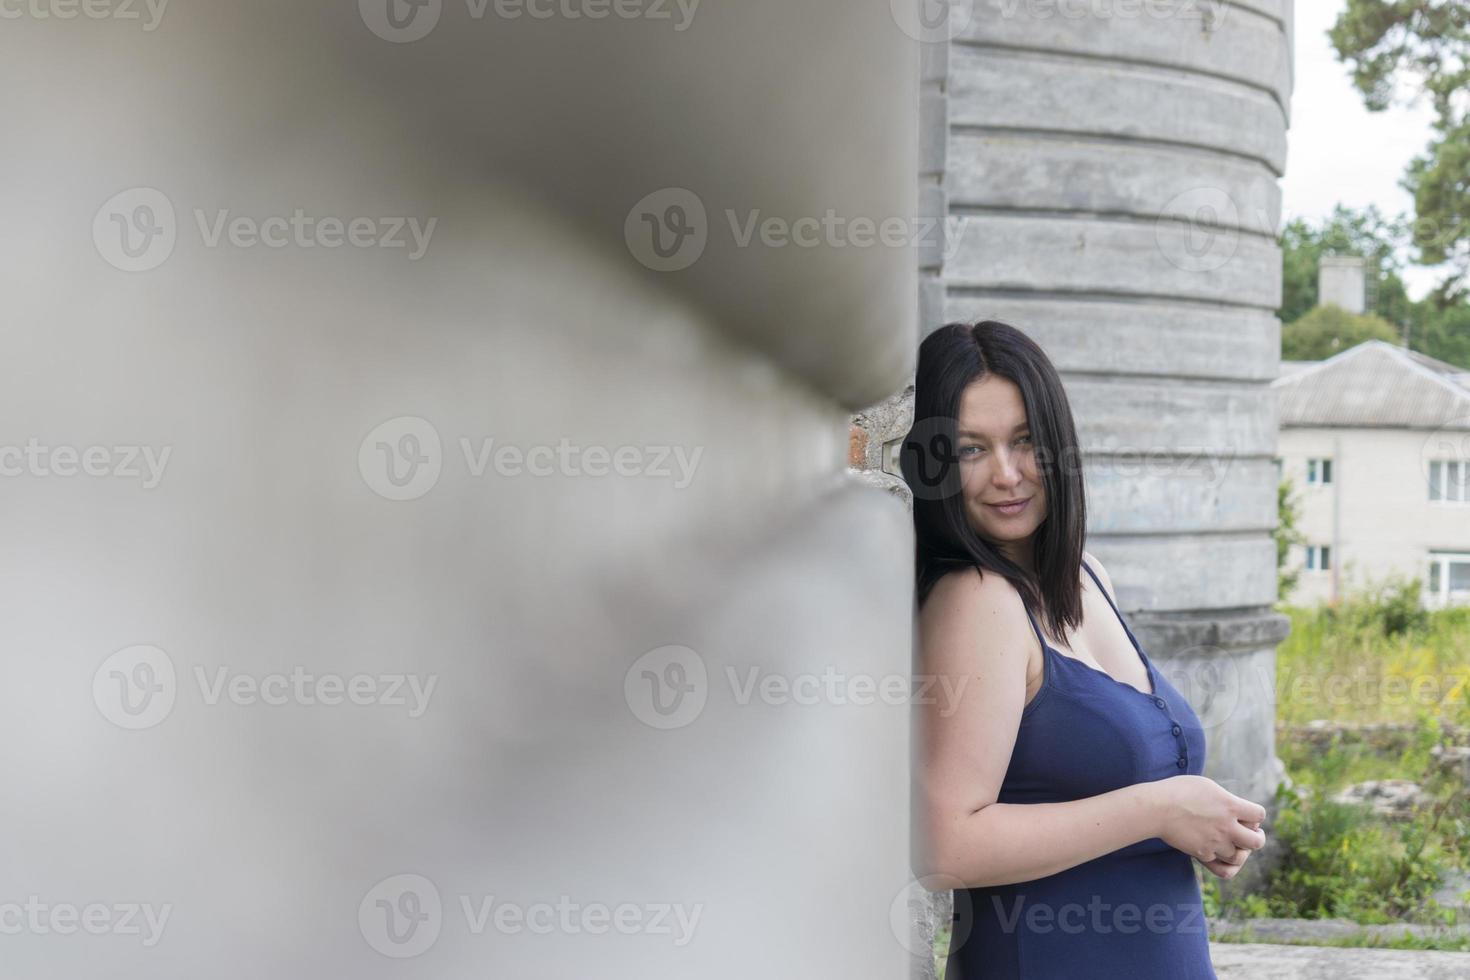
(1342, 280)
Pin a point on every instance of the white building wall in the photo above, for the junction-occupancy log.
(1376, 514)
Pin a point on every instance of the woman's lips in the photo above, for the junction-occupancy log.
(1013, 509)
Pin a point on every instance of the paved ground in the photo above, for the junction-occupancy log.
(1260, 961)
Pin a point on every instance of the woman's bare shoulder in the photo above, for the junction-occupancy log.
(966, 601)
(1102, 573)
(969, 584)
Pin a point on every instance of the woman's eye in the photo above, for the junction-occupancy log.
(969, 450)
(1025, 439)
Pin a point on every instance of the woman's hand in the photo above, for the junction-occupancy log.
(1210, 823)
(1228, 869)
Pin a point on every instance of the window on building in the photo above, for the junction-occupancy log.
(1449, 578)
(1279, 470)
(1319, 472)
(1319, 557)
(1449, 481)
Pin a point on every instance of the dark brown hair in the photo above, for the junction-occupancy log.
(951, 358)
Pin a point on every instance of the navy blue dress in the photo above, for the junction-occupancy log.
(1133, 914)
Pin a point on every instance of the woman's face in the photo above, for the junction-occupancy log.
(998, 464)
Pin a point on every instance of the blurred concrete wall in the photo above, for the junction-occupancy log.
(427, 543)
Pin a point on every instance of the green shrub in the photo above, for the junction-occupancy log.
(1390, 608)
(1344, 861)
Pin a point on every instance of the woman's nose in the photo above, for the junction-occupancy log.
(1007, 470)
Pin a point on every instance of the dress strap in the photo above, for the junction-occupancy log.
(1104, 591)
(1041, 639)
(1101, 589)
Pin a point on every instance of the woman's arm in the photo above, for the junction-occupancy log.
(968, 733)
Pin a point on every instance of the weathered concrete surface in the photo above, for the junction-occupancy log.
(1259, 961)
(285, 383)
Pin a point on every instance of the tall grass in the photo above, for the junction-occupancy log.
(1377, 657)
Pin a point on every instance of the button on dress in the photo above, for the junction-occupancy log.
(1133, 914)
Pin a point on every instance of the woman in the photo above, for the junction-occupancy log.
(1061, 790)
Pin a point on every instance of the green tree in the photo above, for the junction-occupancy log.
(1442, 332)
(1367, 234)
(1425, 44)
(1287, 535)
(1328, 330)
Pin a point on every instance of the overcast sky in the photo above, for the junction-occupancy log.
(1338, 150)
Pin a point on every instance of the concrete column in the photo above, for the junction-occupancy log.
(1117, 180)
(1111, 188)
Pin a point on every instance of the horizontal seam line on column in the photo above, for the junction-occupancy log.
(1094, 295)
(1102, 136)
(1065, 54)
(1181, 616)
(1148, 377)
(1168, 454)
(1211, 532)
(1122, 217)
(1280, 24)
